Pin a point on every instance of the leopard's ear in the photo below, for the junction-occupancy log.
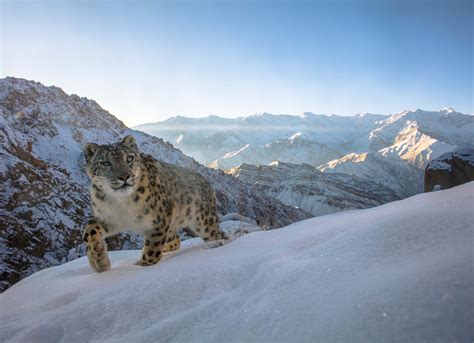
(130, 141)
(89, 151)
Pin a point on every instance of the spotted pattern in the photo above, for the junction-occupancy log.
(159, 200)
(93, 235)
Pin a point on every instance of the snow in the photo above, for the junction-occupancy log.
(236, 228)
(234, 153)
(295, 136)
(398, 272)
(440, 165)
(237, 217)
(448, 110)
(463, 154)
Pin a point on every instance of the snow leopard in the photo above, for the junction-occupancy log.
(131, 190)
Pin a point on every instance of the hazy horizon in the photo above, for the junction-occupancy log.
(237, 116)
(146, 61)
(299, 114)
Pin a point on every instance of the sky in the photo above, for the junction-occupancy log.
(145, 61)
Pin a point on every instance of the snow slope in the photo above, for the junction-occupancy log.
(401, 272)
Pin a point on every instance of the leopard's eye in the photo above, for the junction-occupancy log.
(106, 163)
(130, 158)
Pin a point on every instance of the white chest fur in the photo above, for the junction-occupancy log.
(120, 213)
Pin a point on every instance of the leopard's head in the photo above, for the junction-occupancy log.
(114, 167)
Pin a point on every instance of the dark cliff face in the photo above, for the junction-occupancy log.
(44, 197)
(450, 170)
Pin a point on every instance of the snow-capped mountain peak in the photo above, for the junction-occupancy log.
(448, 110)
(295, 136)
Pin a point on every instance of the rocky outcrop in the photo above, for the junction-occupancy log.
(450, 170)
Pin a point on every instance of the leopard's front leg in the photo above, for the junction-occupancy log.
(94, 237)
(153, 248)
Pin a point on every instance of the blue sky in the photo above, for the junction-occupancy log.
(148, 60)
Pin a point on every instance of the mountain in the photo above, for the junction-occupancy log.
(44, 189)
(445, 125)
(391, 150)
(404, 179)
(399, 150)
(401, 272)
(249, 139)
(318, 193)
(295, 149)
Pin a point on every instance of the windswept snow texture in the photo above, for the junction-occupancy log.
(401, 272)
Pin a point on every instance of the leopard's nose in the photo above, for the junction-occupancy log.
(124, 177)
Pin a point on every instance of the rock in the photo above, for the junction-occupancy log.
(450, 170)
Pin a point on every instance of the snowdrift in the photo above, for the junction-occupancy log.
(398, 272)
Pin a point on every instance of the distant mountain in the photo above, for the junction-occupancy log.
(306, 187)
(295, 149)
(399, 150)
(392, 150)
(210, 139)
(44, 190)
(401, 177)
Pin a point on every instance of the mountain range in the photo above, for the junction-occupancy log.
(391, 150)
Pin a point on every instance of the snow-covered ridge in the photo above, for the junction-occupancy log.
(402, 178)
(401, 272)
(318, 193)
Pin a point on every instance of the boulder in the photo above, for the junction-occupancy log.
(450, 170)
